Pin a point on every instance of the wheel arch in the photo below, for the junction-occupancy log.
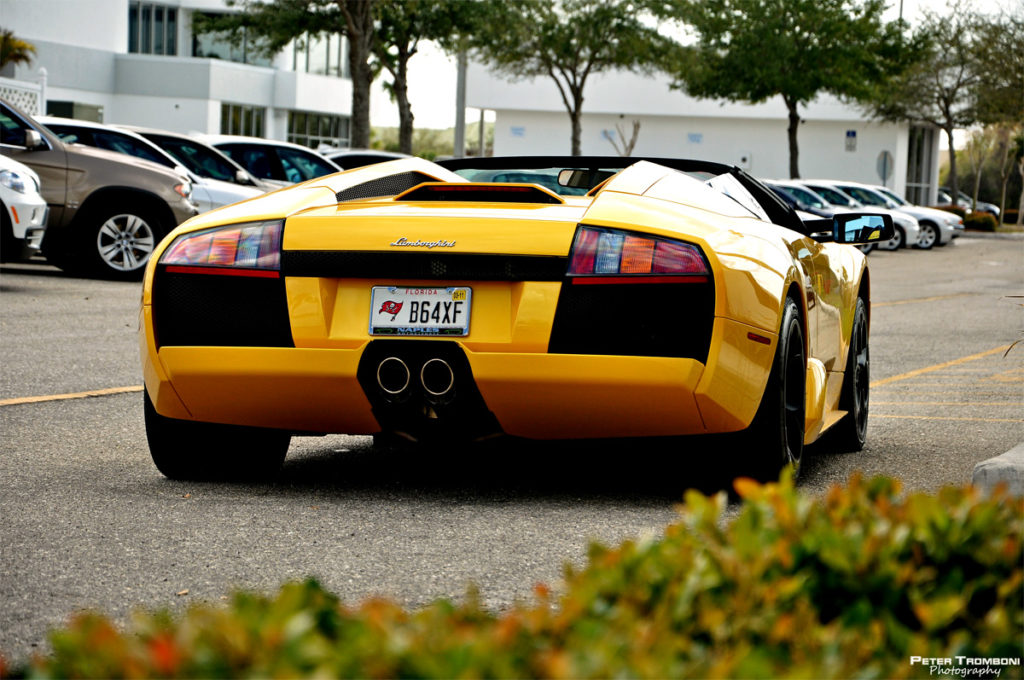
(109, 196)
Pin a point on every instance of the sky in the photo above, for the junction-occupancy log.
(432, 73)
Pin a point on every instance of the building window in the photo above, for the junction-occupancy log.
(239, 47)
(152, 29)
(320, 54)
(241, 119)
(317, 129)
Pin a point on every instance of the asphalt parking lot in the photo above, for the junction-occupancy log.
(86, 521)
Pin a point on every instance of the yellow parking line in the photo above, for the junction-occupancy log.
(72, 395)
(974, 420)
(947, 403)
(939, 367)
(916, 300)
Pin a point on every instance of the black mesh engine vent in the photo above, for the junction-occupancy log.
(384, 186)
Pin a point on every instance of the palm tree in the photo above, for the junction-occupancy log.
(14, 50)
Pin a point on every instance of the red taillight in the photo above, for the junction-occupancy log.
(584, 250)
(612, 256)
(238, 250)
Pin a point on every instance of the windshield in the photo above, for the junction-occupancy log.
(199, 159)
(865, 196)
(545, 177)
(111, 141)
(836, 197)
(893, 196)
(806, 196)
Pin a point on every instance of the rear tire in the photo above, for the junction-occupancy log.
(850, 433)
(897, 241)
(185, 449)
(775, 439)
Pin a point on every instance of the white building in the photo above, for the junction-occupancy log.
(139, 62)
(835, 140)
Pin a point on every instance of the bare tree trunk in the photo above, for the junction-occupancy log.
(953, 185)
(359, 17)
(401, 90)
(794, 148)
(1020, 204)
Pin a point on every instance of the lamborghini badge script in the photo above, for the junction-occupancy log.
(406, 243)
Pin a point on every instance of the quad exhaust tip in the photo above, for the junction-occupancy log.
(437, 378)
(393, 376)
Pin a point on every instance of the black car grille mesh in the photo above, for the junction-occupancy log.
(661, 319)
(384, 186)
(422, 265)
(220, 311)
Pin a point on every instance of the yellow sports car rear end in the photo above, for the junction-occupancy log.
(406, 299)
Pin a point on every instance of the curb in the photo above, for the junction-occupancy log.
(1008, 235)
(1008, 468)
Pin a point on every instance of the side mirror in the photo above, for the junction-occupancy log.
(855, 228)
(243, 177)
(33, 140)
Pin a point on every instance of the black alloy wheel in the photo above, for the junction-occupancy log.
(850, 433)
(775, 438)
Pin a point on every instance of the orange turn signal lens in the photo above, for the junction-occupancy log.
(602, 255)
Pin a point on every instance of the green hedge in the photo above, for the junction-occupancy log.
(955, 209)
(851, 584)
(980, 221)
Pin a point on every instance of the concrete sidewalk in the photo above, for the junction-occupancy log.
(1009, 468)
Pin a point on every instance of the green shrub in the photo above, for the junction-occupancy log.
(955, 209)
(980, 221)
(848, 585)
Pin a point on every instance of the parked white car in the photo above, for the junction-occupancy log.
(207, 193)
(199, 158)
(939, 226)
(277, 162)
(23, 211)
(967, 202)
(908, 231)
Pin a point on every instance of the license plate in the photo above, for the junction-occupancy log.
(397, 310)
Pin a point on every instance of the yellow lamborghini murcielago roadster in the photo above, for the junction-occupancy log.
(527, 297)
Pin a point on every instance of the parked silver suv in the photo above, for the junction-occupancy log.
(107, 210)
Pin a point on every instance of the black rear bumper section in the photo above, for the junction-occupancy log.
(636, 319)
(220, 311)
(460, 414)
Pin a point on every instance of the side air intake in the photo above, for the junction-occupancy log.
(384, 186)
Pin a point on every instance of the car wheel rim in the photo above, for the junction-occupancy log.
(861, 375)
(793, 398)
(125, 242)
(927, 237)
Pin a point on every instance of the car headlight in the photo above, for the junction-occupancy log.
(12, 180)
(236, 250)
(184, 189)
